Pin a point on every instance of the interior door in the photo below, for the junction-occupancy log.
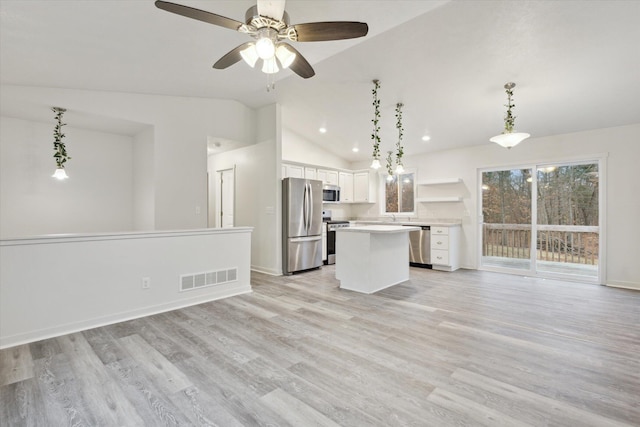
(226, 198)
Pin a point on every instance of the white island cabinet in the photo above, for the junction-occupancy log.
(445, 247)
(372, 257)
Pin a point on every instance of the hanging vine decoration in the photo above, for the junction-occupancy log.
(390, 163)
(509, 118)
(400, 151)
(376, 118)
(60, 150)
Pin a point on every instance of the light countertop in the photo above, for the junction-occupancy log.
(418, 223)
(381, 228)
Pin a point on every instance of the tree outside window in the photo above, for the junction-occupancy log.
(399, 194)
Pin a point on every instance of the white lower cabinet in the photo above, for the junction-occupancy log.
(445, 248)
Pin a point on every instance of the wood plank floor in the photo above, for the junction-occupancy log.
(464, 348)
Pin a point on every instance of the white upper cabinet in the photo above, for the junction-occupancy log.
(310, 173)
(364, 187)
(327, 176)
(292, 171)
(346, 186)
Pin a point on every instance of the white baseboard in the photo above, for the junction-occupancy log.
(624, 285)
(82, 325)
(269, 271)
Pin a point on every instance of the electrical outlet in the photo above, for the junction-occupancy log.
(146, 282)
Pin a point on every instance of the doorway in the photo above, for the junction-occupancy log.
(543, 220)
(225, 206)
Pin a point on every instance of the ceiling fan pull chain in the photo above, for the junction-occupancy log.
(271, 82)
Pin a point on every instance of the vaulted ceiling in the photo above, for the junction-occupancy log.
(576, 64)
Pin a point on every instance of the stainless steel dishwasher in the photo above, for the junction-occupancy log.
(420, 246)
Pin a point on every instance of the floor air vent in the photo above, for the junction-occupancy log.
(210, 278)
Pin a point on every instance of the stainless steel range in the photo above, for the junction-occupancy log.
(332, 226)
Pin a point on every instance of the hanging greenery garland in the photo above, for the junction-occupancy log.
(390, 163)
(509, 118)
(376, 118)
(400, 151)
(60, 150)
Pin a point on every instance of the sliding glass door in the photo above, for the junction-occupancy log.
(542, 220)
(567, 219)
(506, 209)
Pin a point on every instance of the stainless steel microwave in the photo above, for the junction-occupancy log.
(330, 193)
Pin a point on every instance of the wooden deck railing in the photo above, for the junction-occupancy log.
(559, 243)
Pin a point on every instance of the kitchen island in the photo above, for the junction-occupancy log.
(370, 258)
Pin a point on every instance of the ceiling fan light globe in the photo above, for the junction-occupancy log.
(509, 139)
(250, 55)
(265, 48)
(270, 66)
(285, 56)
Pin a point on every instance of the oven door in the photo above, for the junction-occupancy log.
(331, 246)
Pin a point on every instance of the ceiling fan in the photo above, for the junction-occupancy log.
(268, 24)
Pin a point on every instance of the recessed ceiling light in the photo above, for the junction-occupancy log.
(426, 138)
(355, 149)
(322, 130)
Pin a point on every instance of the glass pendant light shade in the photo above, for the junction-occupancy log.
(60, 174)
(250, 55)
(509, 139)
(399, 169)
(285, 56)
(265, 48)
(375, 164)
(270, 66)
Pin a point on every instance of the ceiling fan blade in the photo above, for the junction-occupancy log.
(300, 65)
(198, 14)
(231, 57)
(325, 31)
(273, 9)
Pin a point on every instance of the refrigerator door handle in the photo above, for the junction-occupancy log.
(310, 210)
(305, 239)
(305, 209)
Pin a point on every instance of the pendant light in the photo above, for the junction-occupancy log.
(375, 164)
(508, 138)
(60, 150)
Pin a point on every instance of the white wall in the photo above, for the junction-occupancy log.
(296, 148)
(57, 285)
(622, 144)
(257, 201)
(143, 180)
(98, 197)
(181, 126)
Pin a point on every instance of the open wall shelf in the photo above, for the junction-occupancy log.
(440, 181)
(439, 199)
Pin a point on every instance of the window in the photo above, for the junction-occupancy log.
(399, 194)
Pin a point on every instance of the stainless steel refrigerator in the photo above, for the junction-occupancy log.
(301, 224)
